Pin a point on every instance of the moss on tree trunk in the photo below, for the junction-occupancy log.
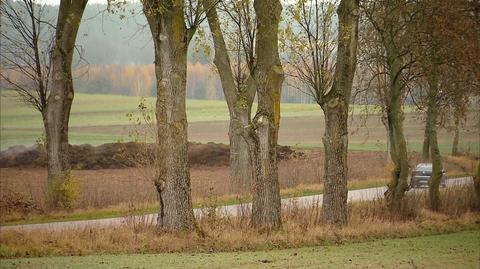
(61, 96)
(171, 38)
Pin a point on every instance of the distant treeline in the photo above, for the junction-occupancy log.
(117, 58)
(139, 80)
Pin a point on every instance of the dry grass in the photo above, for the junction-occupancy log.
(123, 189)
(367, 221)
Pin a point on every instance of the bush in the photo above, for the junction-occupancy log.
(63, 191)
(15, 202)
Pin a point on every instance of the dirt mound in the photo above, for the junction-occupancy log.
(121, 155)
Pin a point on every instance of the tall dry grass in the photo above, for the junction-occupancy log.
(113, 189)
(301, 227)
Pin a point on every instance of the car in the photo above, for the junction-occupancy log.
(421, 176)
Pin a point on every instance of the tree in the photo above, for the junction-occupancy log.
(256, 69)
(390, 20)
(443, 30)
(25, 56)
(236, 78)
(61, 93)
(311, 54)
(171, 37)
(262, 133)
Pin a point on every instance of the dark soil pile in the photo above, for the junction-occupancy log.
(121, 155)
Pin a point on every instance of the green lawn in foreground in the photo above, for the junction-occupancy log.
(457, 250)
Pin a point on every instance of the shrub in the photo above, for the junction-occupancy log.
(15, 202)
(63, 191)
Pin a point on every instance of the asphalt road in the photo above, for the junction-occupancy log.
(231, 210)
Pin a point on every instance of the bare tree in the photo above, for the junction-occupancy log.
(255, 50)
(44, 77)
(238, 43)
(25, 52)
(444, 30)
(61, 93)
(327, 74)
(372, 81)
(262, 133)
(172, 24)
(390, 20)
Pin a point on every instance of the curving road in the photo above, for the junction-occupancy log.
(231, 210)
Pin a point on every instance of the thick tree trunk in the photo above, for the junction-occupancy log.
(426, 144)
(389, 146)
(61, 95)
(394, 97)
(239, 100)
(456, 136)
(262, 134)
(476, 183)
(240, 165)
(171, 39)
(335, 140)
(432, 111)
(387, 131)
(398, 183)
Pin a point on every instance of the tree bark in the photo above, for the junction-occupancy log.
(171, 38)
(240, 164)
(426, 144)
(432, 112)
(335, 106)
(476, 184)
(262, 133)
(398, 183)
(61, 93)
(239, 100)
(456, 135)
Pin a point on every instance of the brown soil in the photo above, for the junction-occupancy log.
(121, 155)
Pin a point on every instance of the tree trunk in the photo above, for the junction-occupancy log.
(239, 100)
(335, 140)
(389, 146)
(476, 184)
(432, 111)
(384, 120)
(398, 183)
(240, 165)
(426, 144)
(456, 135)
(61, 95)
(171, 39)
(262, 133)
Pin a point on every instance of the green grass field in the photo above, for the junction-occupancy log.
(457, 250)
(98, 119)
(22, 125)
(104, 110)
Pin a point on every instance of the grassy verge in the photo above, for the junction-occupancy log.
(456, 250)
(125, 210)
(301, 227)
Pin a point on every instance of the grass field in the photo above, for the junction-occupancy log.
(98, 119)
(457, 250)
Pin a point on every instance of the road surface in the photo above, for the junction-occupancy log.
(231, 210)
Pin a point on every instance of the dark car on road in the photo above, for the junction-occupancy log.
(421, 176)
